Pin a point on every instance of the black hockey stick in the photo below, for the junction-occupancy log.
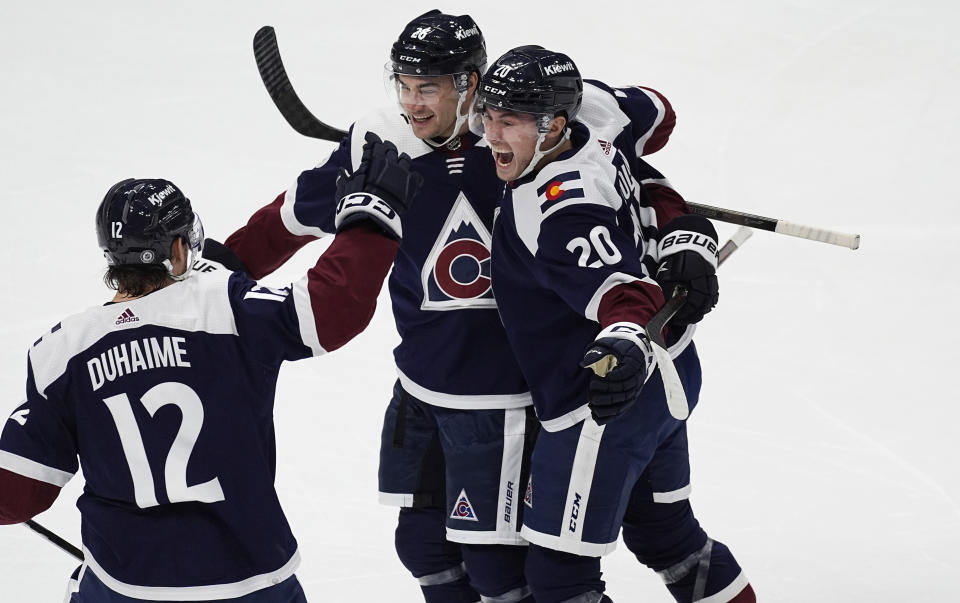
(278, 85)
(275, 78)
(56, 540)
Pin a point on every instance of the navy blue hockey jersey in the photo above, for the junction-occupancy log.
(168, 402)
(566, 240)
(453, 350)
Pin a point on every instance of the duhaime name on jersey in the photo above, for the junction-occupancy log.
(137, 355)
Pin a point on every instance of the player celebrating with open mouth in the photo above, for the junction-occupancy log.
(574, 247)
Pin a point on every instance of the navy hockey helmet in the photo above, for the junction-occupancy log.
(138, 221)
(439, 44)
(532, 79)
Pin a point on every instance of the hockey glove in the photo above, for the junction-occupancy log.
(622, 360)
(380, 190)
(688, 258)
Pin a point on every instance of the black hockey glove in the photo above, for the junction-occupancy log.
(688, 257)
(622, 360)
(380, 190)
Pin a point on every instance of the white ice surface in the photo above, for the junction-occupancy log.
(824, 450)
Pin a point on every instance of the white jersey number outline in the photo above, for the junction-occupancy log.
(175, 467)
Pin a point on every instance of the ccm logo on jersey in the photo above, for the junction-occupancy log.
(574, 512)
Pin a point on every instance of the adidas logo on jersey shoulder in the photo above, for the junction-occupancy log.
(127, 316)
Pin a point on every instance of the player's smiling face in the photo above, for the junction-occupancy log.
(430, 102)
(513, 139)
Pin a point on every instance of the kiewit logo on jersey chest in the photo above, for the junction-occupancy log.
(456, 274)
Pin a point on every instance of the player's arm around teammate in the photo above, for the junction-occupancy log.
(181, 506)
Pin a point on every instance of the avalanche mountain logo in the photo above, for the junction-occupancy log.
(463, 509)
(456, 273)
(528, 496)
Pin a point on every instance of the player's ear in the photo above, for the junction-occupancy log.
(472, 82)
(557, 126)
(179, 252)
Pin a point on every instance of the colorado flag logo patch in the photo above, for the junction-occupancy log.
(560, 188)
(463, 509)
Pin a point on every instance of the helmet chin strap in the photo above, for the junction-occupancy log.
(538, 154)
(191, 257)
(461, 119)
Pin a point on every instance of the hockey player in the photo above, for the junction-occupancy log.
(166, 395)
(569, 247)
(459, 427)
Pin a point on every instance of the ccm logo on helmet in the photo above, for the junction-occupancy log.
(404, 57)
(494, 90)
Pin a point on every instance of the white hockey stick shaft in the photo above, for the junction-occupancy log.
(833, 237)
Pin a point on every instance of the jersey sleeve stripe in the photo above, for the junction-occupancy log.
(305, 317)
(32, 469)
(654, 139)
(617, 278)
(289, 218)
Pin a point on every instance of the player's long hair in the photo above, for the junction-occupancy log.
(136, 280)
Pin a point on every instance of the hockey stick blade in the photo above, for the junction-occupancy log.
(274, 76)
(672, 386)
(833, 237)
(60, 543)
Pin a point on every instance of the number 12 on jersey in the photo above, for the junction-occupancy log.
(175, 466)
